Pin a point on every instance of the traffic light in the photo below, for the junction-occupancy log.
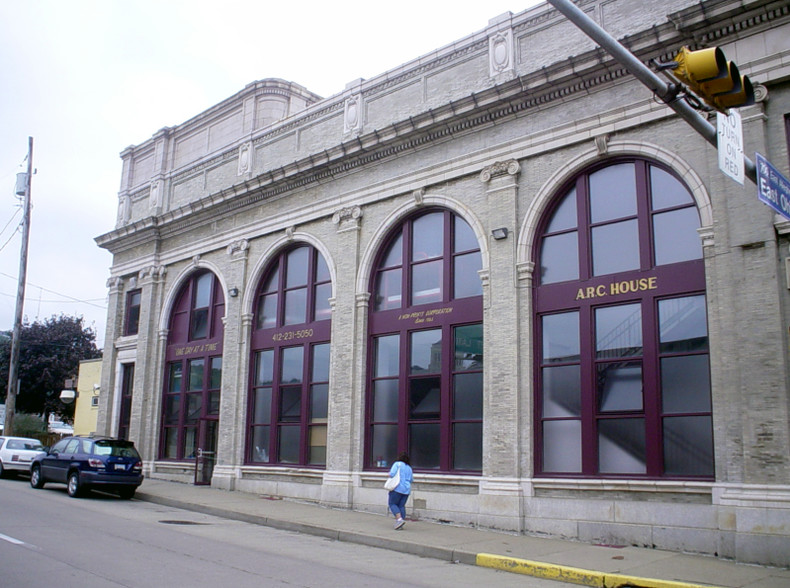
(714, 79)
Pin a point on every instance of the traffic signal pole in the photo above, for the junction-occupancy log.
(666, 92)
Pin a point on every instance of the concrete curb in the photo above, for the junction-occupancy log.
(506, 564)
(575, 575)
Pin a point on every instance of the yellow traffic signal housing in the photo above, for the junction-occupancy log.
(714, 79)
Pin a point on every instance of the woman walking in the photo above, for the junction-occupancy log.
(399, 496)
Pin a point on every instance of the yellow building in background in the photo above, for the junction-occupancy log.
(86, 408)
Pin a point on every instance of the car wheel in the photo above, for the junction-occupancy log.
(35, 477)
(126, 493)
(2, 471)
(73, 487)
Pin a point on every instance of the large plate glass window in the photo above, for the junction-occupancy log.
(622, 373)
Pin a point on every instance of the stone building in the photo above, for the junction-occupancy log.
(505, 257)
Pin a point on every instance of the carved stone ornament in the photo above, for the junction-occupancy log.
(352, 116)
(351, 213)
(152, 272)
(602, 144)
(500, 52)
(114, 284)
(155, 194)
(238, 247)
(245, 159)
(760, 93)
(289, 233)
(124, 210)
(196, 260)
(500, 168)
(419, 196)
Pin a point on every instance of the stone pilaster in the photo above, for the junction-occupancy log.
(500, 495)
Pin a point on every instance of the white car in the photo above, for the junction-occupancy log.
(16, 453)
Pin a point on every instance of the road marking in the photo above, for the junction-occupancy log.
(11, 540)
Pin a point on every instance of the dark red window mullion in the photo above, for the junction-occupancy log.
(307, 379)
(651, 383)
(406, 266)
(583, 227)
(448, 260)
(404, 384)
(445, 422)
(645, 227)
(274, 428)
(588, 391)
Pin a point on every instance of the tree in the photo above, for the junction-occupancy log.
(50, 352)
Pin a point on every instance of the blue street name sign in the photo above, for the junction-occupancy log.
(772, 187)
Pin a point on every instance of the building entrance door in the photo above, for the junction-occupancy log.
(207, 452)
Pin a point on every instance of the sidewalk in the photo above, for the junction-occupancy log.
(580, 563)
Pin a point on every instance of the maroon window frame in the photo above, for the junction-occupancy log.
(289, 375)
(610, 352)
(127, 390)
(425, 360)
(132, 319)
(193, 365)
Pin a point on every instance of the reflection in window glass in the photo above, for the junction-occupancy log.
(685, 384)
(683, 324)
(263, 406)
(426, 284)
(561, 391)
(426, 351)
(203, 290)
(424, 398)
(298, 260)
(559, 258)
(561, 337)
(618, 331)
(615, 247)
(388, 289)
(468, 446)
(688, 446)
(385, 400)
(196, 374)
(216, 372)
(676, 237)
(387, 356)
(562, 446)
(289, 444)
(175, 377)
(259, 446)
(394, 256)
(267, 311)
(264, 367)
(385, 445)
(295, 306)
(620, 386)
(464, 239)
(621, 446)
(424, 444)
(323, 310)
(291, 370)
(321, 363)
(321, 269)
(468, 396)
(428, 236)
(290, 404)
(466, 280)
(469, 347)
(564, 216)
(666, 190)
(613, 192)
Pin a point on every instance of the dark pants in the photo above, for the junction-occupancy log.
(397, 503)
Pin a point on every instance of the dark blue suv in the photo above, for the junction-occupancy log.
(85, 463)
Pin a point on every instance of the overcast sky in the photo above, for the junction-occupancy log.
(87, 78)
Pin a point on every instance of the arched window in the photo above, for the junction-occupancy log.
(622, 373)
(193, 368)
(289, 392)
(425, 385)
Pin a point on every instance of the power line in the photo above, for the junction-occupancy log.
(72, 298)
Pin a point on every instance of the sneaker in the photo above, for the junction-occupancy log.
(399, 523)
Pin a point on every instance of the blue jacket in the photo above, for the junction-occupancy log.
(406, 477)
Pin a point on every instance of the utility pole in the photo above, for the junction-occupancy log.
(13, 369)
(664, 91)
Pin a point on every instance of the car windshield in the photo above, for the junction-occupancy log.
(115, 448)
(25, 444)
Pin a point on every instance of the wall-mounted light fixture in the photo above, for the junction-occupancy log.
(500, 233)
(233, 292)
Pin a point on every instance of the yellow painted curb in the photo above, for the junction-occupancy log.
(573, 575)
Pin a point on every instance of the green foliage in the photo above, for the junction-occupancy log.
(50, 352)
(29, 425)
